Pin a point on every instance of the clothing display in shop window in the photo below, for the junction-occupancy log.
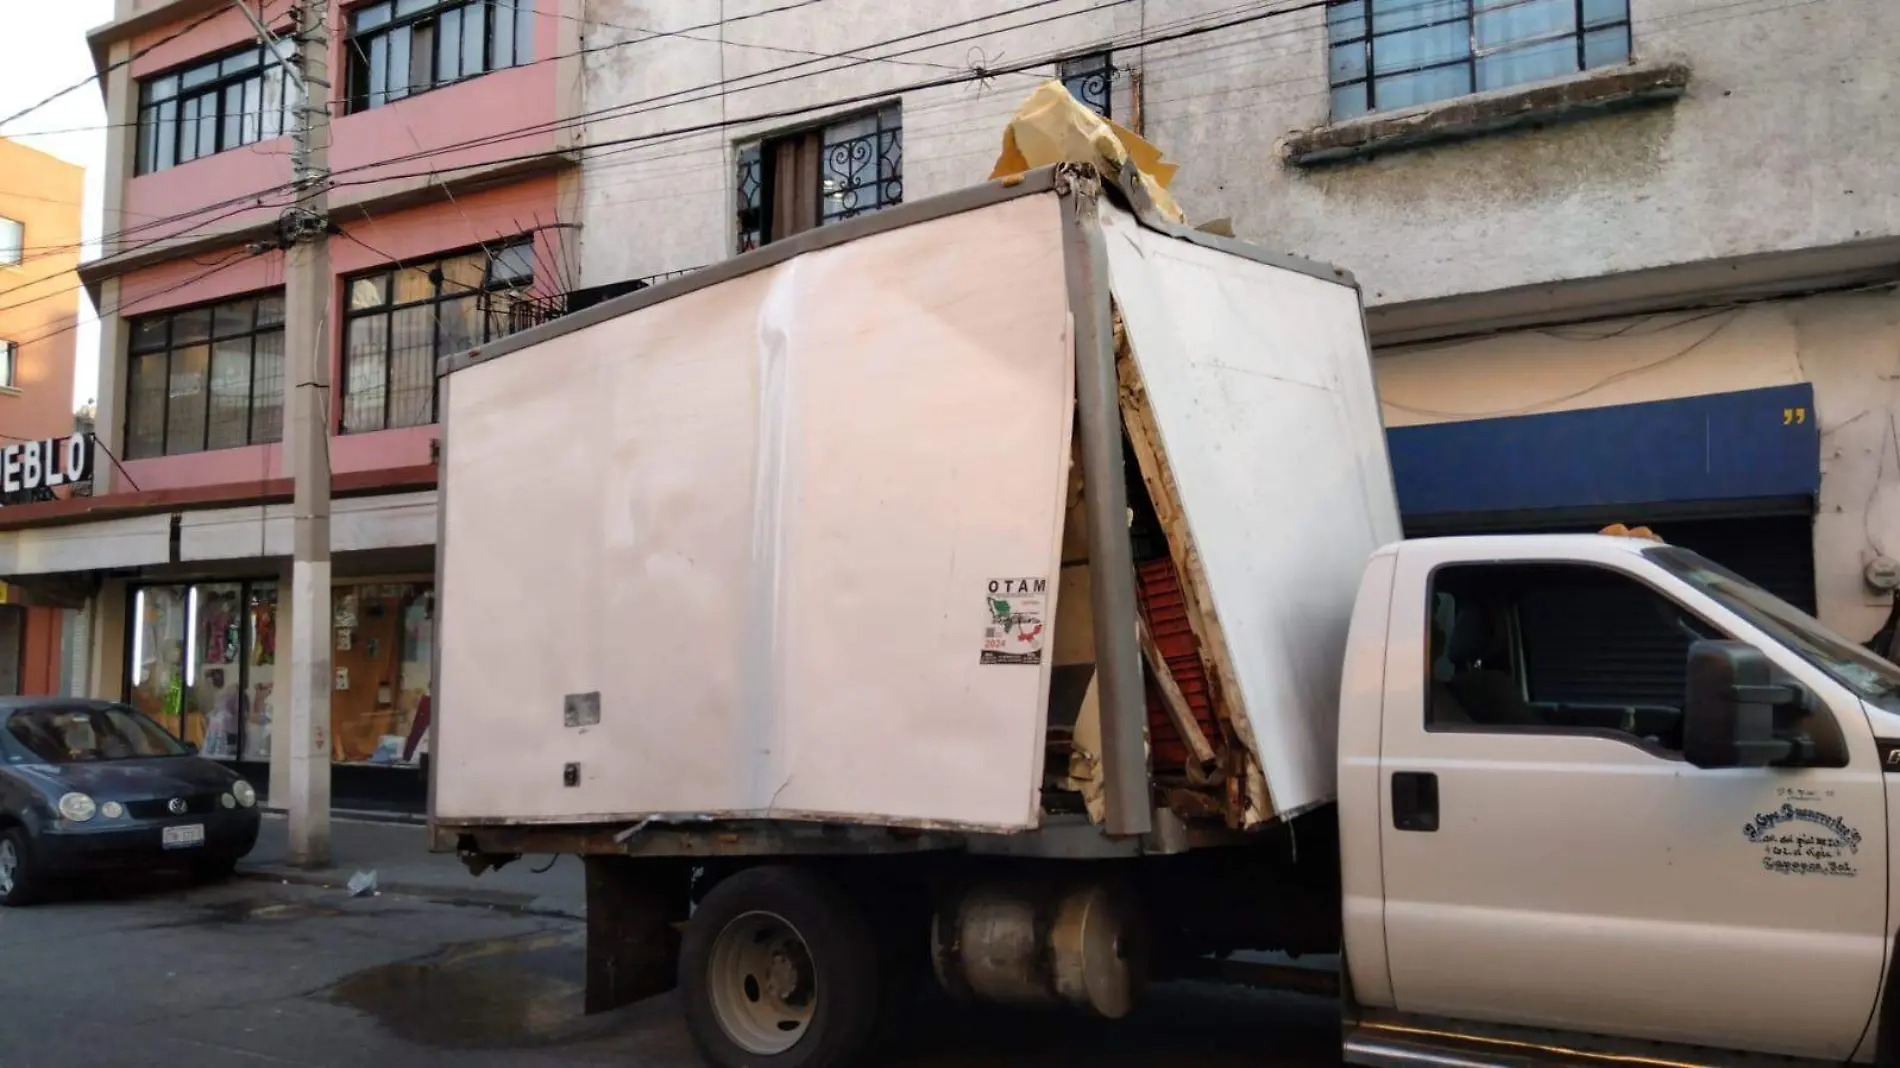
(257, 722)
(221, 725)
(263, 631)
(220, 615)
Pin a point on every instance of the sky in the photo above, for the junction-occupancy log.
(43, 49)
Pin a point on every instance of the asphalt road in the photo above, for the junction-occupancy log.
(257, 974)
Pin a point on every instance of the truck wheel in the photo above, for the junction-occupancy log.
(780, 971)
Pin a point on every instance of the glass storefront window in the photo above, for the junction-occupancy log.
(157, 682)
(260, 643)
(203, 663)
(214, 666)
(383, 633)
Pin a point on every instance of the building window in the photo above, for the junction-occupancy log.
(1087, 78)
(1399, 53)
(210, 377)
(400, 47)
(9, 365)
(798, 181)
(216, 106)
(402, 319)
(203, 664)
(12, 242)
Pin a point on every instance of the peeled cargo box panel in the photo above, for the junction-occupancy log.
(761, 520)
(1259, 383)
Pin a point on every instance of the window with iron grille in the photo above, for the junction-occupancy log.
(401, 319)
(9, 364)
(1399, 53)
(1087, 79)
(215, 105)
(210, 377)
(401, 47)
(808, 178)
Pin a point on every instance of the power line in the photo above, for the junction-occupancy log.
(142, 298)
(578, 119)
(725, 87)
(110, 67)
(659, 100)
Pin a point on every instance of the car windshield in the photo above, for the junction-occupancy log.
(84, 735)
(1847, 662)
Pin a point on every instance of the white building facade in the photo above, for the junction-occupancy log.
(1624, 260)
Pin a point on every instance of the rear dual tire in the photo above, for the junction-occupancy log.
(781, 969)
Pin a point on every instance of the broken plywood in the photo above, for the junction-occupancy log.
(1248, 800)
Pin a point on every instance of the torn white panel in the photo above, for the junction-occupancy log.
(1261, 386)
(761, 519)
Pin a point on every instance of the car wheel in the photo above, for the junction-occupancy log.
(20, 882)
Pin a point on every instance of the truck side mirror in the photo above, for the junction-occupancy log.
(1729, 711)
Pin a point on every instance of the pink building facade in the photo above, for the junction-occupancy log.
(453, 153)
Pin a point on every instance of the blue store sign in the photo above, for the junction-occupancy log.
(1724, 453)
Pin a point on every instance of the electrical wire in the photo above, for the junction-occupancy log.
(110, 67)
(582, 118)
(1535, 406)
(1139, 41)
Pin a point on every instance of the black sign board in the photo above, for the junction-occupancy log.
(31, 470)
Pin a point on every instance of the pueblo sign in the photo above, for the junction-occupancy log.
(31, 470)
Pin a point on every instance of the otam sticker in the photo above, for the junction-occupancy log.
(1016, 620)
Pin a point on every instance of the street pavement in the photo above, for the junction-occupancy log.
(259, 971)
(398, 854)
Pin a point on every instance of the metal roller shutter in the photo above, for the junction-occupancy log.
(1573, 633)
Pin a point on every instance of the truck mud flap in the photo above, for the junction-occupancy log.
(1393, 1041)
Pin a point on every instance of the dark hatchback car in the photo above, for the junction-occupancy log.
(91, 786)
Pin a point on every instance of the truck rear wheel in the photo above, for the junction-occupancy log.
(781, 971)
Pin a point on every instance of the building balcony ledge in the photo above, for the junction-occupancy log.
(1577, 96)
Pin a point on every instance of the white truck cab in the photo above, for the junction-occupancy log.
(1524, 865)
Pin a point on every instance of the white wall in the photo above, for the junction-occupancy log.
(1786, 139)
(1847, 346)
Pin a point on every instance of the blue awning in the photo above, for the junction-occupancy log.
(1755, 445)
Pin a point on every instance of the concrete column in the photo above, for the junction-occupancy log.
(279, 799)
(106, 653)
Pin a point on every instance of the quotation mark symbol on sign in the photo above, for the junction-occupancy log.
(1793, 416)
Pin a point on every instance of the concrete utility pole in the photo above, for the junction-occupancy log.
(304, 229)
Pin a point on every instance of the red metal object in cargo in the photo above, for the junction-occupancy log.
(1164, 608)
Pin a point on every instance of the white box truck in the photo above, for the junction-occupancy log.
(1008, 588)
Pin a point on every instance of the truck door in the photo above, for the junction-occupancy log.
(1550, 860)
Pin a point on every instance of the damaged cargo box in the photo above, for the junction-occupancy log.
(1012, 502)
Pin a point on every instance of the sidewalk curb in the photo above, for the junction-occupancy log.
(334, 879)
(359, 815)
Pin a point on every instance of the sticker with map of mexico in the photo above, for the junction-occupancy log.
(1015, 623)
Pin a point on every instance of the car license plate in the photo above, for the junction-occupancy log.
(183, 836)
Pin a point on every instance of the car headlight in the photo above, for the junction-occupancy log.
(227, 800)
(112, 810)
(77, 807)
(245, 793)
